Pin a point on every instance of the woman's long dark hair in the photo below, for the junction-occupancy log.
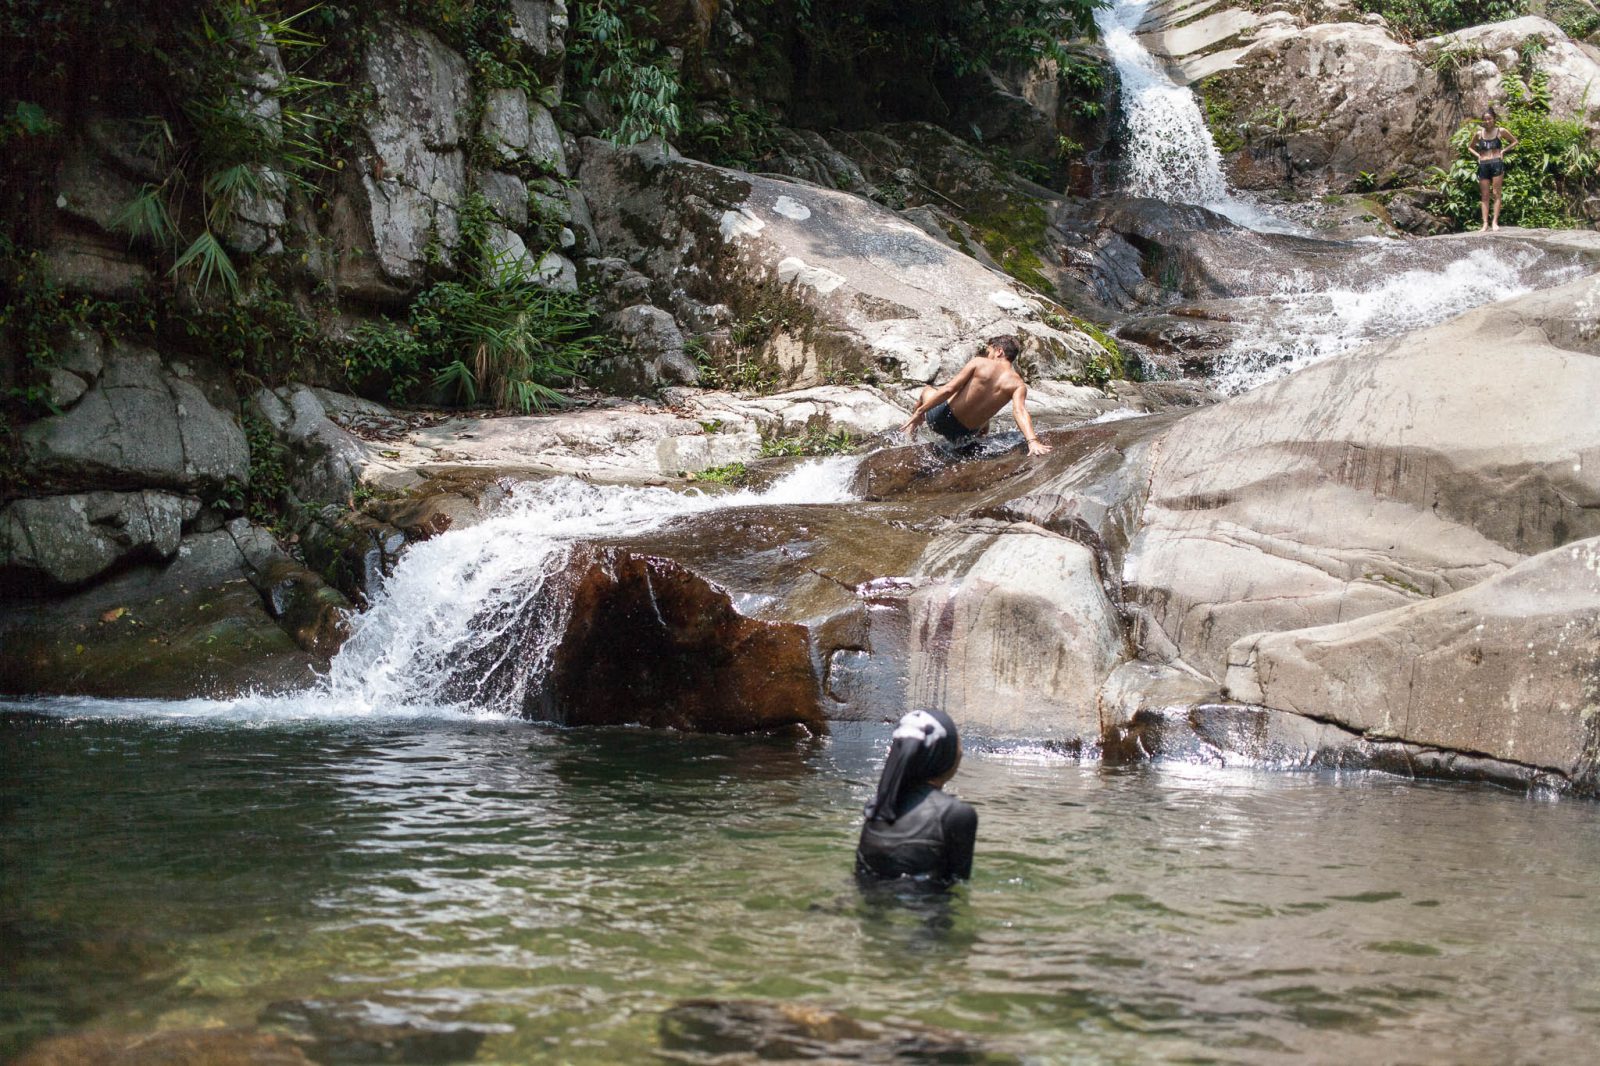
(925, 746)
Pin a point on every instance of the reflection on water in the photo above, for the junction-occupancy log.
(556, 892)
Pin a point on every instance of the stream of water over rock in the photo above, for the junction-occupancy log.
(1294, 303)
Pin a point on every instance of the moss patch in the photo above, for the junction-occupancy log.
(1016, 236)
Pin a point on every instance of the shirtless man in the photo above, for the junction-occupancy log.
(960, 411)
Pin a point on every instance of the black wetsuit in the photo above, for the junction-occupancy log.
(932, 838)
(943, 421)
(1490, 168)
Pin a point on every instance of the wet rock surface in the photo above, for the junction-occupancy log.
(193, 626)
(647, 641)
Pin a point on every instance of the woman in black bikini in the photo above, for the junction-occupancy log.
(1489, 147)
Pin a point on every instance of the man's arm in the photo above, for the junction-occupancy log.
(939, 396)
(1019, 410)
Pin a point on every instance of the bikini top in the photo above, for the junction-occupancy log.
(1489, 144)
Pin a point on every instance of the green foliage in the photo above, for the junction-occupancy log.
(611, 50)
(261, 335)
(1413, 19)
(1547, 174)
(730, 134)
(244, 133)
(728, 474)
(501, 339)
(816, 440)
(263, 499)
(1220, 118)
(26, 119)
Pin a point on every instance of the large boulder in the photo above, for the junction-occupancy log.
(145, 423)
(399, 212)
(1503, 669)
(324, 459)
(807, 283)
(1405, 471)
(56, 542)
(1006, 627)
(649, 642)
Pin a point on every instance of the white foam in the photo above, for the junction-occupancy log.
(1168, 152)
(1310, 319)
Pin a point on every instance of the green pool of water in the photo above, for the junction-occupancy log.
(557, 891)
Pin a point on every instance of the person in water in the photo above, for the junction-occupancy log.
(913, 828)
(1488, 147)
(960, 411)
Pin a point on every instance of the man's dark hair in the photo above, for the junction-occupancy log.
(1008, 346)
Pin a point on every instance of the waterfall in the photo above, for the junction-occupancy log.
(464, 621)
(1168, 152)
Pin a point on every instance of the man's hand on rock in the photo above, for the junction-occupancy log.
(1038, 447)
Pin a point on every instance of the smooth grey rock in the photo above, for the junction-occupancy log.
(70, 540)
(505, 122)
(544, 139)
(325, 460)
(1006, 628)
(1405, 471)
(1495, 669)
(655, 345)
(507, 196)
(82, 352)
(63, 387)
(539, 25)
(852, 285)
(141, 424)
(416, 181)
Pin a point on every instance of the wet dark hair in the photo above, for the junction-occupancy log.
(925, 746)
(1007, 344)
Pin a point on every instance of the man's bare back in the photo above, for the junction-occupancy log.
(975, 395)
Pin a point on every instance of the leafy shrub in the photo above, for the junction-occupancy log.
(610, 50)
(502, 339)
(1412, 19)
(1546, 174)
(816, 440)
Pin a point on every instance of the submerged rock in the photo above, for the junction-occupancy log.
(719, 1031)
(177, 1047)
(357, 1031)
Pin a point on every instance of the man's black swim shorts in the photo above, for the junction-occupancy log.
(943, 422)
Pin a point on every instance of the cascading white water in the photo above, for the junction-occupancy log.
(1168, 153)
(458, 608)
(1311, 318)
